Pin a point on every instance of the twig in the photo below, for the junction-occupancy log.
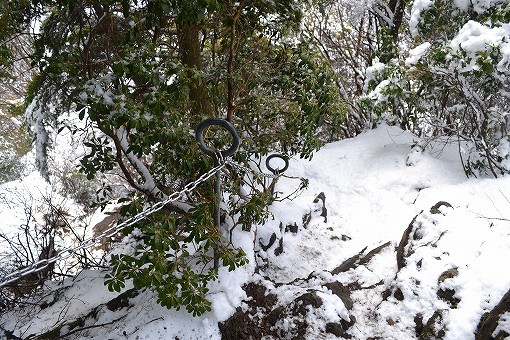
(137, 328)
(493, 218)
(93, 326)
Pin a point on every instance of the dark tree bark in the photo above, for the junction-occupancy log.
(389, 15)
(189, 53)
(397, 7)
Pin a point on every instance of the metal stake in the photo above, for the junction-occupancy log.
(219, 158)
(217, 219)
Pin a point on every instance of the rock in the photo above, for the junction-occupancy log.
(434, 328)
(296, 313)
(490, 321)
(244, 325)
(448, 294)
(351, 262)
(359, 259)
(240, 327)
(401, 253)
(345, 238)
(339, 329)
(278, 250)
(307, 299)
(263, 318)
(386, 294)
(259, 296)
(368, 257)
(306, 219)
(336, 329)
(342, 292)
(320, 206)
(272, 240)
(415, 231)
(293, 228)
(122, 300)
(318, 209)
(418, 321)
(275, 315)
(435, 209)
(398, 294)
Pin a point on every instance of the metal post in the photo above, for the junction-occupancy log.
(217, 190)
(276, 171)
(219, 158)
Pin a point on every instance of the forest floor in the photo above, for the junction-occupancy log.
(386, 243)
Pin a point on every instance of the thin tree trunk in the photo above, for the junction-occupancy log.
(189, 52)
(397, 7)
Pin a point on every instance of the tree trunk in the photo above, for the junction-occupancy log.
(189, 53)
(397, 7)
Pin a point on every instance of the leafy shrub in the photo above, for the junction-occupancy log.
(454, 84)
(141, 78)
(14, 144)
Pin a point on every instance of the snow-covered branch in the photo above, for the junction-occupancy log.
(148, 186)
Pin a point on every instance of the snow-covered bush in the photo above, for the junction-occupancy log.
(40, 223)
(454, 82)
(14, 144)
(10, 166)
(142, 76)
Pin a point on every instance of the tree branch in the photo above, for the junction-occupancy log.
(149, 187)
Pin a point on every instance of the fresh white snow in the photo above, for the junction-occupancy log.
(374, 186)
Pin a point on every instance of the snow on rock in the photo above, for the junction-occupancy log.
(387, 242)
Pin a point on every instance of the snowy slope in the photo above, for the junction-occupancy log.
(312, 275)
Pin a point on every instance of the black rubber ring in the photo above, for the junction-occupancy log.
(236, 140)
(277, 171)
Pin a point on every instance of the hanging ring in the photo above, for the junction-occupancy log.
(277, 170)
(236, 140)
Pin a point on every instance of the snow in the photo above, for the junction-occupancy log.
(419, 6)
(416, 53)
(20, 198)
(504, 323)
(374, 185)
(474, 36)
(374, 70)
(15, 121)
(462, 4)
(479, 6)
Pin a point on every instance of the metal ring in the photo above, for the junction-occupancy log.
(236, 140)
(277, 171)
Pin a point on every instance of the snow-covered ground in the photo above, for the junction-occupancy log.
(442, 269)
